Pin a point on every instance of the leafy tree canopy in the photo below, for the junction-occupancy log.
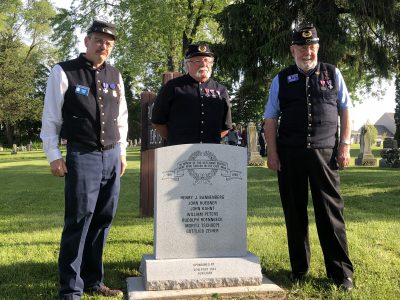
(152, 35)
(24, 30)
(361, 37)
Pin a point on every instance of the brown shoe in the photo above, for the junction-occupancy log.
(105, 291)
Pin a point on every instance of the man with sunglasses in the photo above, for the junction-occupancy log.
(306, 148)
(85, 104)
(193, 108)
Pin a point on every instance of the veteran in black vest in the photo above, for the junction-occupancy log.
(306, 147)
(193, 108)
(85, 105)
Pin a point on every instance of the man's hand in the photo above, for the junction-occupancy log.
(273, 161)
(343, 156)
(58, 167)
(124, 164)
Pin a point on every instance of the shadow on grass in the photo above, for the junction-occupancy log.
(39, 281)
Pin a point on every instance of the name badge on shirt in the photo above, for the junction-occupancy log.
(82, 90)
(293, 77)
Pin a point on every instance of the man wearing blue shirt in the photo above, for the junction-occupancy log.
(305, 147)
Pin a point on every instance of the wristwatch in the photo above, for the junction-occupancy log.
(345, 142)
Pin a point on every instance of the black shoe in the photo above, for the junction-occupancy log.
(297, 277)
(346, 285)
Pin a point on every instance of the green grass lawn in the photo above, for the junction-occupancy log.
(32, 208)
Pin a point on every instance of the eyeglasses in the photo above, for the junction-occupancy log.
(304, 48)
(199, 61)
(99, 42)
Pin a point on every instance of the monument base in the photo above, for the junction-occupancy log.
(365, 161)
(136, 291)
(194, 273)
(255, 159)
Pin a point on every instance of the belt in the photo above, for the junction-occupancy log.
(92, 147)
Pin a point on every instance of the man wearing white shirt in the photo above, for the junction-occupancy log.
(85, 104)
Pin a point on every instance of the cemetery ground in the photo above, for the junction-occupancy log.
(31, 219)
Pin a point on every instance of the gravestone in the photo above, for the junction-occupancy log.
(29, 146)
(149, 141)
(254, 157)
(200, 225)
(365, 158)
(389, 143)
(14, 149)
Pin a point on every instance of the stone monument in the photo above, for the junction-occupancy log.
(254, 157)
(365, 158)
(200, 226)
(14, 149)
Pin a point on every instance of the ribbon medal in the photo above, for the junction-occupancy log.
(329, 83)
(105, 87)
(114, 92)
(214, 94)
(323, 87)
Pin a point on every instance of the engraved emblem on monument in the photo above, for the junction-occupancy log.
(202, 166)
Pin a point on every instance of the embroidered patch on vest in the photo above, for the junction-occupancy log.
(293, 77)
(82, 90)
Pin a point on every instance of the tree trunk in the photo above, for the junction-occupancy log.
(9, 133)
(397, 108)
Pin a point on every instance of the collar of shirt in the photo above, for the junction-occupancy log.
(89, 64)
(310, 72)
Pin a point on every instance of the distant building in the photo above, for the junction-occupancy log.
(385, 126)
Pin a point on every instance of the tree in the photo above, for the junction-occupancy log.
(360, 36)
(152, 35)
(397, 109)
(20, 61)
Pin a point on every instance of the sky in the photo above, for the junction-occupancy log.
(369, 110)
(372, 109)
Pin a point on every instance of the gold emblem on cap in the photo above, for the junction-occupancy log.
(202, 48)
(306, 34)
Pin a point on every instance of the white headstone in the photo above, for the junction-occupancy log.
(200, 220)
(200, 201)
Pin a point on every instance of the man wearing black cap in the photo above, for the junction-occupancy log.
(85, 104)
(193, 108)
(308, 98)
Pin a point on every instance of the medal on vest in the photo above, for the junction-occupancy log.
(323, 87)
(114, 92)
(105, 87)
(329, 83)
(82, 90)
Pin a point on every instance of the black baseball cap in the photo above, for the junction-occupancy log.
(102, 27)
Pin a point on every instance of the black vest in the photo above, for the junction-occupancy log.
(308, 107)
(91, 103)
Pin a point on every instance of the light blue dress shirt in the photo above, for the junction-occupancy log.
(272, 107)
